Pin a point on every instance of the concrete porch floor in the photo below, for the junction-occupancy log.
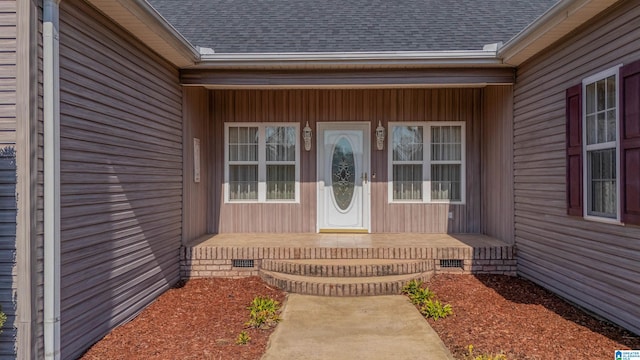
(371, 241)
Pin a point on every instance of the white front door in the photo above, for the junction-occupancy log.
(343, 177)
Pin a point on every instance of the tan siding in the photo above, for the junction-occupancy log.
(590, 263)
(121, 176)
(195, 221)
(497, 163)
(348, 105)
(8, 69)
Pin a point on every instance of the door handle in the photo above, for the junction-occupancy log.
(364, 177)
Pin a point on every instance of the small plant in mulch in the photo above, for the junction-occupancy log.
(434, 309)
(471, 356)
(3, 319)
(243, 338)
(263, 313)
(425, 300)
(417, 293)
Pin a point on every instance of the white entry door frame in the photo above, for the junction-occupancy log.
(343, 170)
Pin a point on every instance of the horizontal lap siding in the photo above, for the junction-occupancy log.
(121, 176)
(8, 46)
(593, 264)
(8, 212)
(8, 207)
(348, 105)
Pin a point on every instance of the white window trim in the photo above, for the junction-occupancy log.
(262, 162)
(426, 162)
(614, 71)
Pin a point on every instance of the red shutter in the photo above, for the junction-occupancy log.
(630, 143)
(574, 150)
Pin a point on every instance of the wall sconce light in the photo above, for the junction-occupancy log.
(306, 135)
(380, 133)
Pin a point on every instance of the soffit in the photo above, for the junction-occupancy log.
(560, 20)
(143, 22)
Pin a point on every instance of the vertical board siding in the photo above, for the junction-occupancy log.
(497, 163)
(121, 176)
(195, 220)
(348, 105)
(593, 264)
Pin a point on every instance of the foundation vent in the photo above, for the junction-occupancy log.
(243, 263)
(451, 263)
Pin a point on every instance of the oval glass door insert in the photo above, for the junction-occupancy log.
(343, 173)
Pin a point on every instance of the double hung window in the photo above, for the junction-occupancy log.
(600, 124)
(261, 162)
(427, 162)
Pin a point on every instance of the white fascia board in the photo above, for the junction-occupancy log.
(471, 58)
(562, 18)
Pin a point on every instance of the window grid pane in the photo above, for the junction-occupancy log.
(281, 181)
(407, 143)
(243, 144)
(600, 117)
(407, 182)
(243, 182)
(446, 143)
(280, 143)
(602, 187)
(446, 182)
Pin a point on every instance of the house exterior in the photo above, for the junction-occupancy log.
(124, 142)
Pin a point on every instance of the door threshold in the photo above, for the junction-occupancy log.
(343, 231)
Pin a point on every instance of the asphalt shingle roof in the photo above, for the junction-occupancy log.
(258, 26)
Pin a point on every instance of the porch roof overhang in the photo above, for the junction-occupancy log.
(349, 70)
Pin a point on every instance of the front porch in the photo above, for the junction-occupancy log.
(239, 255)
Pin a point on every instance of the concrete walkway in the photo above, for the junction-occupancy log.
(374, 327)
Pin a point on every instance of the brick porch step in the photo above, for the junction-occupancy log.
(344, 277)
(341, 286)
(347, 267)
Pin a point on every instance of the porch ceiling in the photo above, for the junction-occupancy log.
(380, 78)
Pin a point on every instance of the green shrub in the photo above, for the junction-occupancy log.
(412, 287)
(3, 319)
(471, 356)
(263, 312)
(417, 293)
(243, 338)
(435, 310)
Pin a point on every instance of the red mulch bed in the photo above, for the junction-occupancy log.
(199, 320)
(512, 316)
(497, 314)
